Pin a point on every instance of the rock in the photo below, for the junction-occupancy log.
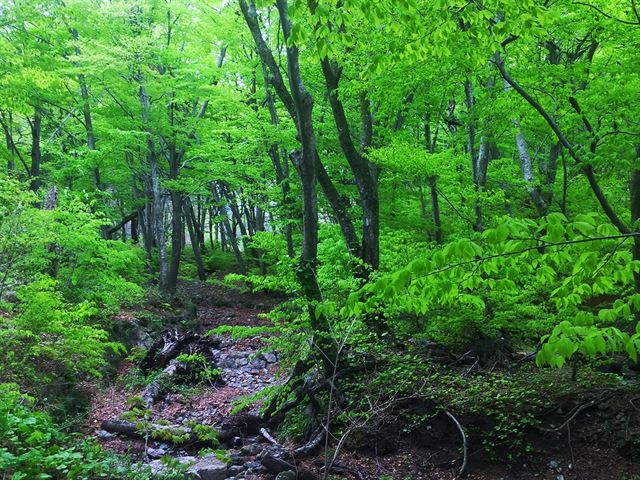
(158, 466)
(276, 460)
(242, 361)
(158, 452)
(559, 477)
(253, 467)
(286, 475)
(554, 464)
(251, 450)
(104, 435)
(270, 357)
(210, 467)
(236, 469)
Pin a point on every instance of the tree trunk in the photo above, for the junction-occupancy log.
(156, 204)
(36, 154)
(471, 146)
(230, 234)
(526, 166)
(134, 229)
(364, 172)
(635, 215)
(435, 209)
(194, 240)
(306, 164)
(177, 239)
(527, 173)
(338, 205)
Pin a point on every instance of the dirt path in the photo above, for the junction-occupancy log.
(246, 367)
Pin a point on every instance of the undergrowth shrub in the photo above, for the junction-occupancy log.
(33, 447)
(65, 244)
(49, 344)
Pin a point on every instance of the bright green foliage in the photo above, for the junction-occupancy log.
(64, 244)
(32, 447)
(510, 269)
(496, 142)
(48, 341)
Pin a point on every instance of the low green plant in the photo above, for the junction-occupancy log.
(200, 367)
(49, 340)
(33, 447)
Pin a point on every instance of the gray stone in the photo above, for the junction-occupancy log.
(104, 435)
(257, 362)
(242, 361)
(286, 475)
(554, 464)
(270, 357)
(251, 449)
(158, 452)
(210, 467)
(236, 469)
(158, 466)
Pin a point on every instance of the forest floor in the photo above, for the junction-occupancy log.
(602, 442)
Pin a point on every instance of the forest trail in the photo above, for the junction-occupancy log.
(245, 368)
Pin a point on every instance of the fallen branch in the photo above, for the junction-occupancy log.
(152, 392)
(577, 411)
(269, 438)
(174, 434)
(168, 347)
(463, 469)
(277, 460)
(314, 442)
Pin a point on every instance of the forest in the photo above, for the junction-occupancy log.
(320, 239)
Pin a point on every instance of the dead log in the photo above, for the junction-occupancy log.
(276, 460)
(180, 435)
(122, 427)
(240, 425)
(152, 392)
(168, 347)
(312, 445)
(231, 427)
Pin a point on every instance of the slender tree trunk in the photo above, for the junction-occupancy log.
(134, 230)
(211, 228)
(230, 234)
(36, 153)
(86, 112)
(157, 206)
(177, 239)
(549, 169)
(471, 146)
(337, 203)
(364, 172)
(9, 142)
(194, 240)
(306, 164)
(635, 214)
(435, 208)
(526, 168)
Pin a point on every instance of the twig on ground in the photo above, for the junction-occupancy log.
(463, 469)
